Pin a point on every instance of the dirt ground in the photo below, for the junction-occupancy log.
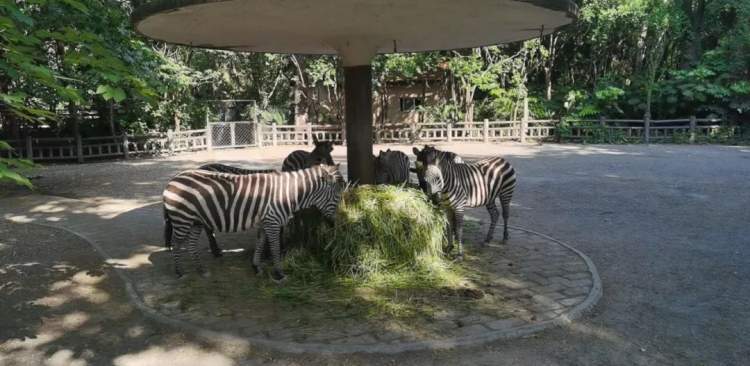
(666, 225)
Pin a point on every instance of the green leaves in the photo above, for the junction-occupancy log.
(9, 168)
(111, 93)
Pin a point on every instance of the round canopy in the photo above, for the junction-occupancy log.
(349, 26)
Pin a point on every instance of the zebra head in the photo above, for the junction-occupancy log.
(321, 154)
(428, 171)
(329, 192)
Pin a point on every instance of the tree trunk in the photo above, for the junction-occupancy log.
(111, 116)
(693, 47)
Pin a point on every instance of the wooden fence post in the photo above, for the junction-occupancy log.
(273, 135)
(170, 141)
(693, 125)
(603, 124)
(647, 128)
(258, 134)
(79, 148)
(125, 146)
(209, 134)
(209, 138)
(449, 132)
(29, 148)
(525, 119)
(309, 134)
(486, 130)
(232, 133)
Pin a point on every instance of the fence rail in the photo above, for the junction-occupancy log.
(245, 133)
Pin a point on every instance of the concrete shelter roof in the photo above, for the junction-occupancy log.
(349, 26)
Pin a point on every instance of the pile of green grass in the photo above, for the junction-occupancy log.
(381, 259)
(381, 229)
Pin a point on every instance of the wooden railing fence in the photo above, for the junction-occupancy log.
(605, 130)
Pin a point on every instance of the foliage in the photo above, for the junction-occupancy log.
(593, 133)
(10, 168)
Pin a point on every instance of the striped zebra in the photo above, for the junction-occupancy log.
(220, 168)
(391, 167)
(300, 159)
(469, 185)
(198, 199)
(448, 156)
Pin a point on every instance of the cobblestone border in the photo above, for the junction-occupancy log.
(384, 348)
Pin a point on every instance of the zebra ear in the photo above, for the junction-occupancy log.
(416, 151)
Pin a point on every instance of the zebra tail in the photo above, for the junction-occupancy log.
(167, 230)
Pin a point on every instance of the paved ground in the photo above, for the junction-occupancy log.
(666, 226)
(518, 289)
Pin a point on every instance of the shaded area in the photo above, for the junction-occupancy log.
(62, 305)
(497, 288)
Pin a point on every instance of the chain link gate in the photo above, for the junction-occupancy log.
(233, 134)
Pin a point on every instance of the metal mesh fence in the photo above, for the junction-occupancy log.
(244, 134)
(233, 134)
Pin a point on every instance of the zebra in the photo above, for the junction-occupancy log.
(391, 167)
(198, 199)
(220, 168)
(442, 156)
(468, 185)
(300, 159)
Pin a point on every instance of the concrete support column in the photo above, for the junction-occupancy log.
(358, 116)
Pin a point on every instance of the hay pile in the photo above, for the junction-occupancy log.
(383, 228)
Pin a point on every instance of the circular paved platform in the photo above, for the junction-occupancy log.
(532, 283)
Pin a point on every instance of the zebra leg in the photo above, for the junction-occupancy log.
(505, 203)
(215, 250)
(260, 245)
(494, 216)
(195, 233)
(450, 226)
(458, 217)
(273, 231)
(167, 233)
(180, 235)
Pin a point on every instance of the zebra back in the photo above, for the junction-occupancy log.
(301, 159)
(391, 167)
(222, 168)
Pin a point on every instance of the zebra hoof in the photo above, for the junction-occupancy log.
(258, 270)
(278, 277)
(459, 258)
(217, 254)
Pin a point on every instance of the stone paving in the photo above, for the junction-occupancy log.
(530, 284)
